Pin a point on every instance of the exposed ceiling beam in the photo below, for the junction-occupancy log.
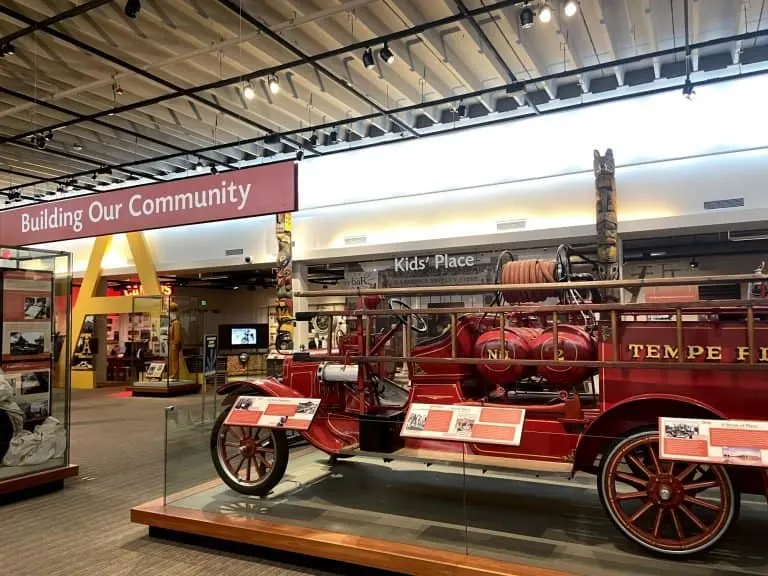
(43, 24)
(177, 91)
(520, 84)
(236, 8)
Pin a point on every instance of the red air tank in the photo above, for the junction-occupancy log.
(574, 344)
(517, 344)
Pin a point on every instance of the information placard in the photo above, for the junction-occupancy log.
(268, 412)
(736, 442)
(476, 424)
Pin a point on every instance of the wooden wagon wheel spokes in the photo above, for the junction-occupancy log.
(659, 503)
(250, 457)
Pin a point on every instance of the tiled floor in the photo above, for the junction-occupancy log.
(85, 529)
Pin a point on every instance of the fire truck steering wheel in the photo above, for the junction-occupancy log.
(418, 325)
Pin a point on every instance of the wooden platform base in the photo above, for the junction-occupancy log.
(165, 391)
(38, 479)
(368, 552)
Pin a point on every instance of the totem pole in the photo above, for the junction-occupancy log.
(284, 312)
(607, 221)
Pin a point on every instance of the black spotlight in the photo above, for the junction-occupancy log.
(688, 90)
(368, 58)
(7, 50)
(132, 8)
(299, 155)
(527, 18)
(386, 54)
(693, 264)
(333, 137)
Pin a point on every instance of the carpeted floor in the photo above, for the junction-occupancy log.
(85, 529)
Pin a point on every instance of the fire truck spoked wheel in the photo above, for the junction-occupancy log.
(249, 460)
(669, 507)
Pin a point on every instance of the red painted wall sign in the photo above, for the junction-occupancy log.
(245, 193)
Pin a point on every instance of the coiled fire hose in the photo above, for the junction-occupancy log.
(528, 272)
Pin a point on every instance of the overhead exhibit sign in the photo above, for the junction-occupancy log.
(437, 261)
(256, 191)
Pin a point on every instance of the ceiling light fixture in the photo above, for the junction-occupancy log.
(545, 14)
(248, 92)
(570, 8)
(368, 58)
(299, 155)
(386, 54)
(7, 50)
(77, 147)
(274, 84)
(688, 90)
(132, 8)
(526, 18)
(693, 264)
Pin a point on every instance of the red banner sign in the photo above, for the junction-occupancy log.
(256, 191)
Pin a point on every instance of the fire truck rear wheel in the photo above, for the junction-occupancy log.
(671, 508)
(251, 461)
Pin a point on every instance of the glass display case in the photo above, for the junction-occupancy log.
(35, 389)
(416, 513)
(155, 344)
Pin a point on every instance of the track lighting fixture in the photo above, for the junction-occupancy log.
(545, 14)
(570, 8)
(526, 18)
(299, 155)
(386, 54)
(132, 8)
(274, 84)
(313, 139)
(368, 58)
(7, 50)
(77, 147)
(693, 264)
(248, 92)
(688, 90)
(214, 170)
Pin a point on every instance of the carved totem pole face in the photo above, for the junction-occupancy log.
(604, 165)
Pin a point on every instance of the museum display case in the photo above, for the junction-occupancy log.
(419, 516)
(155, 347)
(35, 389)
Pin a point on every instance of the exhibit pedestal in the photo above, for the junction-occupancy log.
(164, 387)
(37, 479)
(340, 547)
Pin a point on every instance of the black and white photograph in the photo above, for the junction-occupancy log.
(681, 430)
(35, 382)
(27, 343)
(243, 403)
(416, 421)
(745, 456)
(305, 408)
(37, 308)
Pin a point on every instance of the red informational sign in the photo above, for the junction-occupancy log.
(476, 424)
(256, 191)
(741, 442)
(266, 412)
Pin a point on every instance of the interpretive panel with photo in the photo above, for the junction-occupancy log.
(265, 412)
(476, 424)
(738, 442)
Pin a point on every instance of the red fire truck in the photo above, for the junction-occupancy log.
(665, 403)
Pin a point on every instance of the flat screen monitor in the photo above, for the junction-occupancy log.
(238, 336)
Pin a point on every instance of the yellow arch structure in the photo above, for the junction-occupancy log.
(88, 303)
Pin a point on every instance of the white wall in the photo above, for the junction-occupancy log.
(451, 190)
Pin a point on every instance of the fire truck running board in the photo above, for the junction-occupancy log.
(504, 464)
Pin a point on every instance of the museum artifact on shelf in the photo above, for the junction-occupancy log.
(34, 368)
